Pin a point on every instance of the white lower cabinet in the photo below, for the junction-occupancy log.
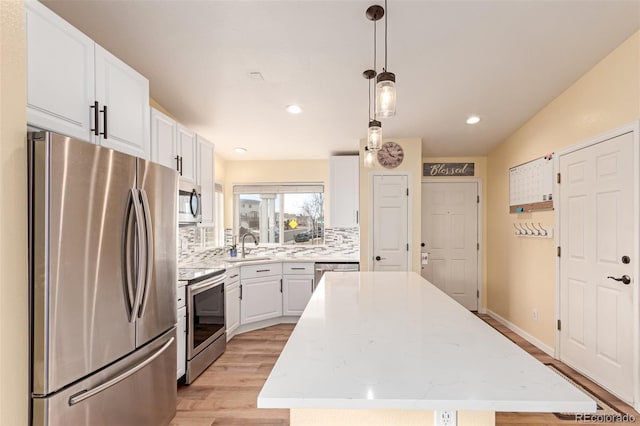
(298, 287)
(182, 341)
(261, 298)
(232, 302)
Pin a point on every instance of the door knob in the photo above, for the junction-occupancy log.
(626, 279)
(378, 258)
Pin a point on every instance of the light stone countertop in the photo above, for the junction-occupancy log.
(222, 262)
(392, 340)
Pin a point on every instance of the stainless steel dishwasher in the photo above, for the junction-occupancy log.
(321, 268)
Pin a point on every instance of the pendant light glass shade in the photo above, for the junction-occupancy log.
(386, 95)
(374, 135)
(369, 159)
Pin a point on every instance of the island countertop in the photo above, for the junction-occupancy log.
(392, 340)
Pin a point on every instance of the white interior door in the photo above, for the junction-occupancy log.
(450, 238)
(596, 232)
(390, 223)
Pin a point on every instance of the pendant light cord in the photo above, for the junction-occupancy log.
(386, 19)
(375, 37)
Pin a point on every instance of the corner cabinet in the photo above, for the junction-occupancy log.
(344, 184)
(261, 292)
(77, 88)
(206, 176)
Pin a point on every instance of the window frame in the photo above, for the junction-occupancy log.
(281, 189)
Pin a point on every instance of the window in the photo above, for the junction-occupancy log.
(280, 214)
(213, 236)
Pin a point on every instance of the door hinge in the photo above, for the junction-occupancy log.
(558, 178)
(559, 325)
(478, 294)
(558, 251)
(407, 246)
(478, 199)
(407, 192)
(477, 246)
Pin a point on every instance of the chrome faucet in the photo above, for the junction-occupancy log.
(245, 236)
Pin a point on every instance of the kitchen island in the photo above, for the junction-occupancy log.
(390, 348)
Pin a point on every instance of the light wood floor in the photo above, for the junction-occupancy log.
(226, 393)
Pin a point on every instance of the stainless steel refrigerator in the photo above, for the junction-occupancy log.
(102, 231)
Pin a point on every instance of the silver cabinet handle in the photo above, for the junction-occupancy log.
(114, 381)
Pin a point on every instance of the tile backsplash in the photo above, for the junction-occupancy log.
(193, 248)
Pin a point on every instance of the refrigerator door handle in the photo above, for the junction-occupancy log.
(149, 253)
(142, 250)
(128, 258)
(79, 397)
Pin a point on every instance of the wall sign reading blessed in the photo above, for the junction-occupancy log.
(448, 169)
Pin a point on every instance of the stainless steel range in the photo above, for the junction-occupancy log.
(206, 330)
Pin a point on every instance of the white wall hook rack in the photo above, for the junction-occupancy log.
(530, 229)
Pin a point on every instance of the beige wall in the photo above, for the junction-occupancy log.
(521, 271)
(413, 165)
(14, 318)
(220, 165)
(272, 172)
(480, 173)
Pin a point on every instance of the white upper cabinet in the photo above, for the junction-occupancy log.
(123, 96)
(206, 176)
(344, 184)
(164, 132)
(77, 88)
(188, 152)
(60, 74)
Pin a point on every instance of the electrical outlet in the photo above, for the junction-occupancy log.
(535, 314)
(445, 418)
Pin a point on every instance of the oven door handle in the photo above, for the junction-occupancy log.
(206, 285)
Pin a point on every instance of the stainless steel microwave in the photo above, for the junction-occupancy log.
(189, 203)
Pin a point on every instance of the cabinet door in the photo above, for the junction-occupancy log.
(344, 182)
(125, 95)
(182, 342)
(163, 139)
(261, 299)
(297, 291)
(188, 153)
(232, 309)
(60, 74)
(206, 176)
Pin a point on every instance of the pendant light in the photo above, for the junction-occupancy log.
(374, 132)
(369, 158)
(386, 82)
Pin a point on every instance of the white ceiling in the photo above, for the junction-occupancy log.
(503, 60)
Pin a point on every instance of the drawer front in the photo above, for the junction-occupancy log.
(233, 276)
(181, 297)
(297, 268)
(264, 270)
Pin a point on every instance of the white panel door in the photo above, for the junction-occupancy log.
(450, 238)
(125, 95)
(60, 74)
(187, 149)
(390, 223)
(163, 139)
(596, 232)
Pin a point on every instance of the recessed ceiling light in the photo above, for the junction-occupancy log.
(240, 150)
(294, 109)
(474, 119)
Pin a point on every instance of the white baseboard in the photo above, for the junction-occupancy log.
(266, 323)
(520, 332)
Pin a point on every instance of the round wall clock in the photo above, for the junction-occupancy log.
(390, 155)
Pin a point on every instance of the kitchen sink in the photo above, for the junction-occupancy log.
(246, 259)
